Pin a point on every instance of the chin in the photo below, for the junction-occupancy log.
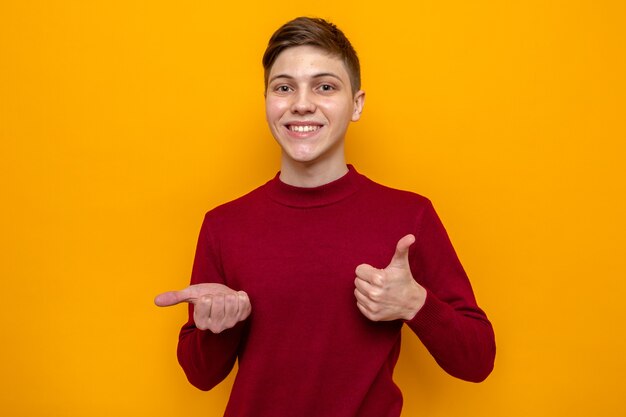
(302, 155)
(302, 159)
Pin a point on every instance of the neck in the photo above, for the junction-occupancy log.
(309, 175)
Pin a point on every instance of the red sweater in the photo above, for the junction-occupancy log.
(306, 350)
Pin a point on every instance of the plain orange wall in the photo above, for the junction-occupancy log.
(122, 122)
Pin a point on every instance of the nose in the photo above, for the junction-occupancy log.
(303, 103)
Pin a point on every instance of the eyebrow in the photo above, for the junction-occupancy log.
(319, 75)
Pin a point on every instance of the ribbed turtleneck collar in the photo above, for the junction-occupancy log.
(323, 195)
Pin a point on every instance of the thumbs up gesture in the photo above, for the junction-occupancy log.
(216, 307)
(390, 293)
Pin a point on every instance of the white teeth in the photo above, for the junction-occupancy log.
(303, 129)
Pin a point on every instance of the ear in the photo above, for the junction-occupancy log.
(359, 102)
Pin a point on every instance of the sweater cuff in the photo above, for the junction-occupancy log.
(431, 317)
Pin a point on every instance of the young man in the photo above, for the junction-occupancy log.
(307, 280)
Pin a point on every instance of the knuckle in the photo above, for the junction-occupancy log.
(208, 297)
(371, 308)
(243, 298)
(379, 280)
(372, 316)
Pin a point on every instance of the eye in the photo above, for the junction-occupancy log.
(282, 89)
(326, 87)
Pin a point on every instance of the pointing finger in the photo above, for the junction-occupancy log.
(368, 273)
(171, 298)
(365, 271)
(190, 294)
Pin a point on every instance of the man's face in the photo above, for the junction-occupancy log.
(309, 104)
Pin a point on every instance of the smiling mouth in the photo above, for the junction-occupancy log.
(303, 129)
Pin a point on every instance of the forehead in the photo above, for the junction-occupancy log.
(307, 60)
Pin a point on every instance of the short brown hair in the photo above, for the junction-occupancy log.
(313, 32)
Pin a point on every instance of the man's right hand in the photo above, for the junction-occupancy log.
(216, 307)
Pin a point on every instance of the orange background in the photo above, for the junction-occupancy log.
(122, 122)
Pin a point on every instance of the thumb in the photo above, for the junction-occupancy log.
(171, 298)
(401, 256)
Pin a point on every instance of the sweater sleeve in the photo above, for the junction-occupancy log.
(450, 324)
(207, 358)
